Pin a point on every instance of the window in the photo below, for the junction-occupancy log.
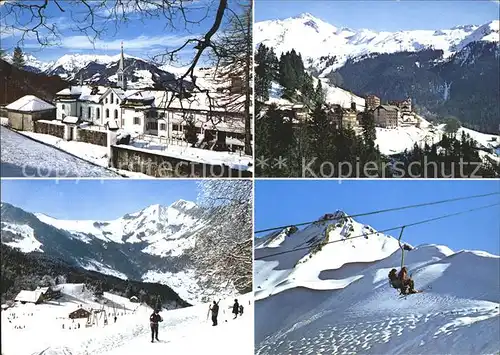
(175, 127)
(106, 100)
(112, 98)
(81, 111)
(89, 112)
(123, 122)
(98, 111)
(137, 120)
(163, 127)
(116, 114)
(63, 107)
(152, 126)
(198, 130)
(117, 102)
(107, 113)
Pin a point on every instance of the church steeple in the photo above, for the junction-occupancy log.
(122, 80)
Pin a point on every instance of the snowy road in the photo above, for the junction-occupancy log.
(23, 157)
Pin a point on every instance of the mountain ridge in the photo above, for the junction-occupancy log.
(341, 44)
(154, 244)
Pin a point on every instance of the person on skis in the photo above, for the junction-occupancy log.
(215, 312)
(153, 320)
(236, 308)
(402, 281)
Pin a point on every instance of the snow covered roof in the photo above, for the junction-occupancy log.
(139, 95)
(29, 103)
(42, 289)
(202, 102)
(70, 119)
(112, 124)
(29, 296)
(389, 107)
(84, 92)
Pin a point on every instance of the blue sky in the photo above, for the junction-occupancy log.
(283, 202)
(389, 15)
(94, 199)
(142, 37)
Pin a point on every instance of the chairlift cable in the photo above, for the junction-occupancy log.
(387, 230)
(382, 211)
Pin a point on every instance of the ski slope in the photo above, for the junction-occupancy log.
(338, 299)
(396, 140)
(186, 329)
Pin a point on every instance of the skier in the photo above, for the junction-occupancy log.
(154, 319)
(241, 309)
(236, 308)
(115, 319)
(215, 312)
(402, 281)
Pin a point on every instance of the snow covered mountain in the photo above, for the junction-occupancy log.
(101, 69)
(326, 47)
(157, 244)
(333, 294)
(449, 72)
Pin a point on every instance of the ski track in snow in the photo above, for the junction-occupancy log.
(407, 333)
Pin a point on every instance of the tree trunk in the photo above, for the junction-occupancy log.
(248, 63)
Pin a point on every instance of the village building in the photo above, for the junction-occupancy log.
(49, 293)
(156, 112)
(23, 112)
(403, 105)
(387, 116)
(79, 313)
(25, 296)
(371, 102)
(342, 117)
(297, 112)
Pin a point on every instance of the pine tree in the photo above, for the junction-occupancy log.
(320, 137)
(369, 131)
(307, 90)
(274, 135)
(319, 94)
(265, 71)
(190, 133)
(18, 58)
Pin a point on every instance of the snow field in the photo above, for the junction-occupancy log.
(339, 299)
(181, 329)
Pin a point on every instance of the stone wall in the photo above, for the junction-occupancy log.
(92, 136)
(125, 158)
(22, 121)
(57, 130)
